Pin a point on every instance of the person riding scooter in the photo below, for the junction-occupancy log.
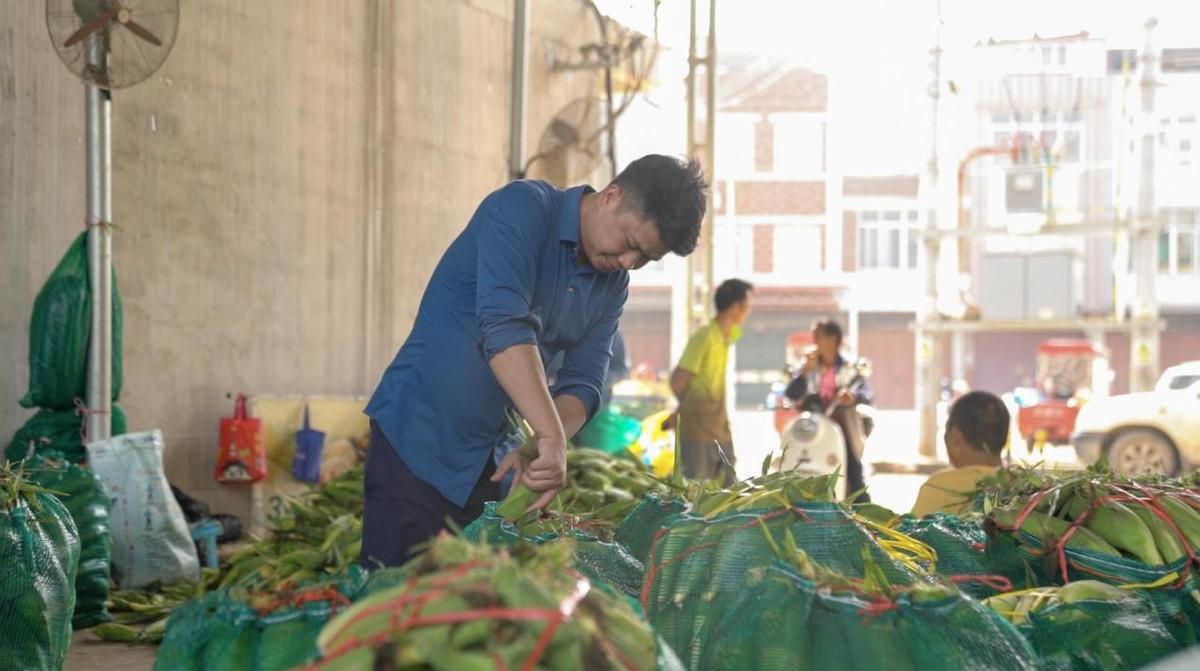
(827, 379)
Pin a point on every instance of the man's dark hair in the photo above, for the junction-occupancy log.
(982, 419)
(671, 193)
(730, 293)
(829, 328)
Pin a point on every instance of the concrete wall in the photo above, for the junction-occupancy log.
(284, 186)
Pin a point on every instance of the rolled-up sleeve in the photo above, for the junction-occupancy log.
(586, 364)
(509, 240)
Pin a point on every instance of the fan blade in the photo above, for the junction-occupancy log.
(137, 29)
(89, 28)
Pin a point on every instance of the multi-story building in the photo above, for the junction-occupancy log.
(814, 242)
(1070, 108)
(819, 242)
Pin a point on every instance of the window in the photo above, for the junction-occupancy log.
(1179, 241)
(1060, 133)
(1183, 382)
(887, 240)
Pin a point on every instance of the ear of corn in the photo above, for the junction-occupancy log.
(1046, 528)
(1090, 590)
(1170, 546)
(1184, 516)
(520, 497)
(1118, 525)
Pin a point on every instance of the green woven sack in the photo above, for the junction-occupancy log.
(57, 431)
(636, 532)
(1172, 589)
(601, 561)
(387, 578)
(228, 631)
(59, 333)
(1098, 635)
(83, 494)
(777, 620)
(39, 554)
(699, 567)
(961, 545)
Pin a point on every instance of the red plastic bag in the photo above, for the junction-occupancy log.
(243, 456)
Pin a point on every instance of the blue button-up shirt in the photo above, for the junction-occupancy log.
(512, 277)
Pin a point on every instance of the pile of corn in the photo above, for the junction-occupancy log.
(1017, 606)
(1155, 524)
(605, 487)
(468, 606)
(140, 615)
(599, 485)
(319, 532)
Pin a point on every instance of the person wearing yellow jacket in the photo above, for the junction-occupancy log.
(976, 434)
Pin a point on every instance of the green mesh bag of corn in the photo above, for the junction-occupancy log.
(1087, 625)
(699, 565)
(57, 431)
(636, 532)
(84, 497)
(600, 560)
(462, 606)
(725, 602)
(39, 554)
(1172, 589)
(235, 630)
(961, 545)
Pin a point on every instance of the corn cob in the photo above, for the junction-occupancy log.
(1185, 517)
(1119, 526)
(1043, 527)
(1090, 590)
(520, 497)
(119, 633)
(1169, 545)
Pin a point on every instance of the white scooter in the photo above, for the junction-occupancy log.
(814, 443)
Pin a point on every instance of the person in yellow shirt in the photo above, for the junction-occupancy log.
(976, 433)
(698, 381)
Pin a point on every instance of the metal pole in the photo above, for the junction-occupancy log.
(1144, 346)
(98, 111)
(690, 271)
(520, 92)
(927, 387)
(710, 154)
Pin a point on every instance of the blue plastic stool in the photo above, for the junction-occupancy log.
(207, 531)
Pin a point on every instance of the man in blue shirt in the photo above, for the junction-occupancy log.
(538, 270)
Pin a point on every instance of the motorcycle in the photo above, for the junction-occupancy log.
(813, 442)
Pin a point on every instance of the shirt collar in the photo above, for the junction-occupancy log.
(568, 215)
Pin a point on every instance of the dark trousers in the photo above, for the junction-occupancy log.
(401, 511)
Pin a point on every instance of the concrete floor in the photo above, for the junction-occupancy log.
(89, 653)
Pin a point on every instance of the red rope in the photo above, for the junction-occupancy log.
(996, 582)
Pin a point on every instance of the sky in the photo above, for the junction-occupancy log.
(877, 51)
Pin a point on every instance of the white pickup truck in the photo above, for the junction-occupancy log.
(1150, 432)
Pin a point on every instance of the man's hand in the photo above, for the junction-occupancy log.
(547, 473)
